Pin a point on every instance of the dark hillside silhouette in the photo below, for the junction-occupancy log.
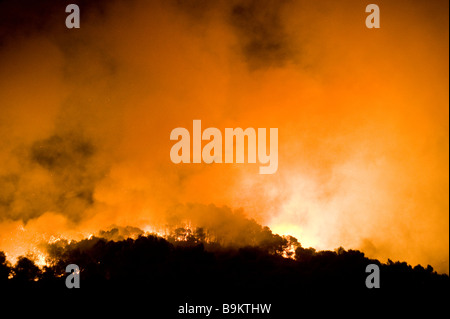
(170, 272)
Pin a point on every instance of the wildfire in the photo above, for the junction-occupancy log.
(150, 230)
(32, 243)
(289, 252)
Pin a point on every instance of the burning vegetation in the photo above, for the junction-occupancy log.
(128, 256)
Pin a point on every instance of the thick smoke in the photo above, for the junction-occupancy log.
(263, 37)
(86, 114)
(66, 182)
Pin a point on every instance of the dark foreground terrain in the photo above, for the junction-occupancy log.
(153, 276)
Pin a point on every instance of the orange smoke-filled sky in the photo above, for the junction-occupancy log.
(86, 116)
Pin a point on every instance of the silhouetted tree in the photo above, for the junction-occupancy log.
(26, 270)
(5, 267)
(304, 254)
